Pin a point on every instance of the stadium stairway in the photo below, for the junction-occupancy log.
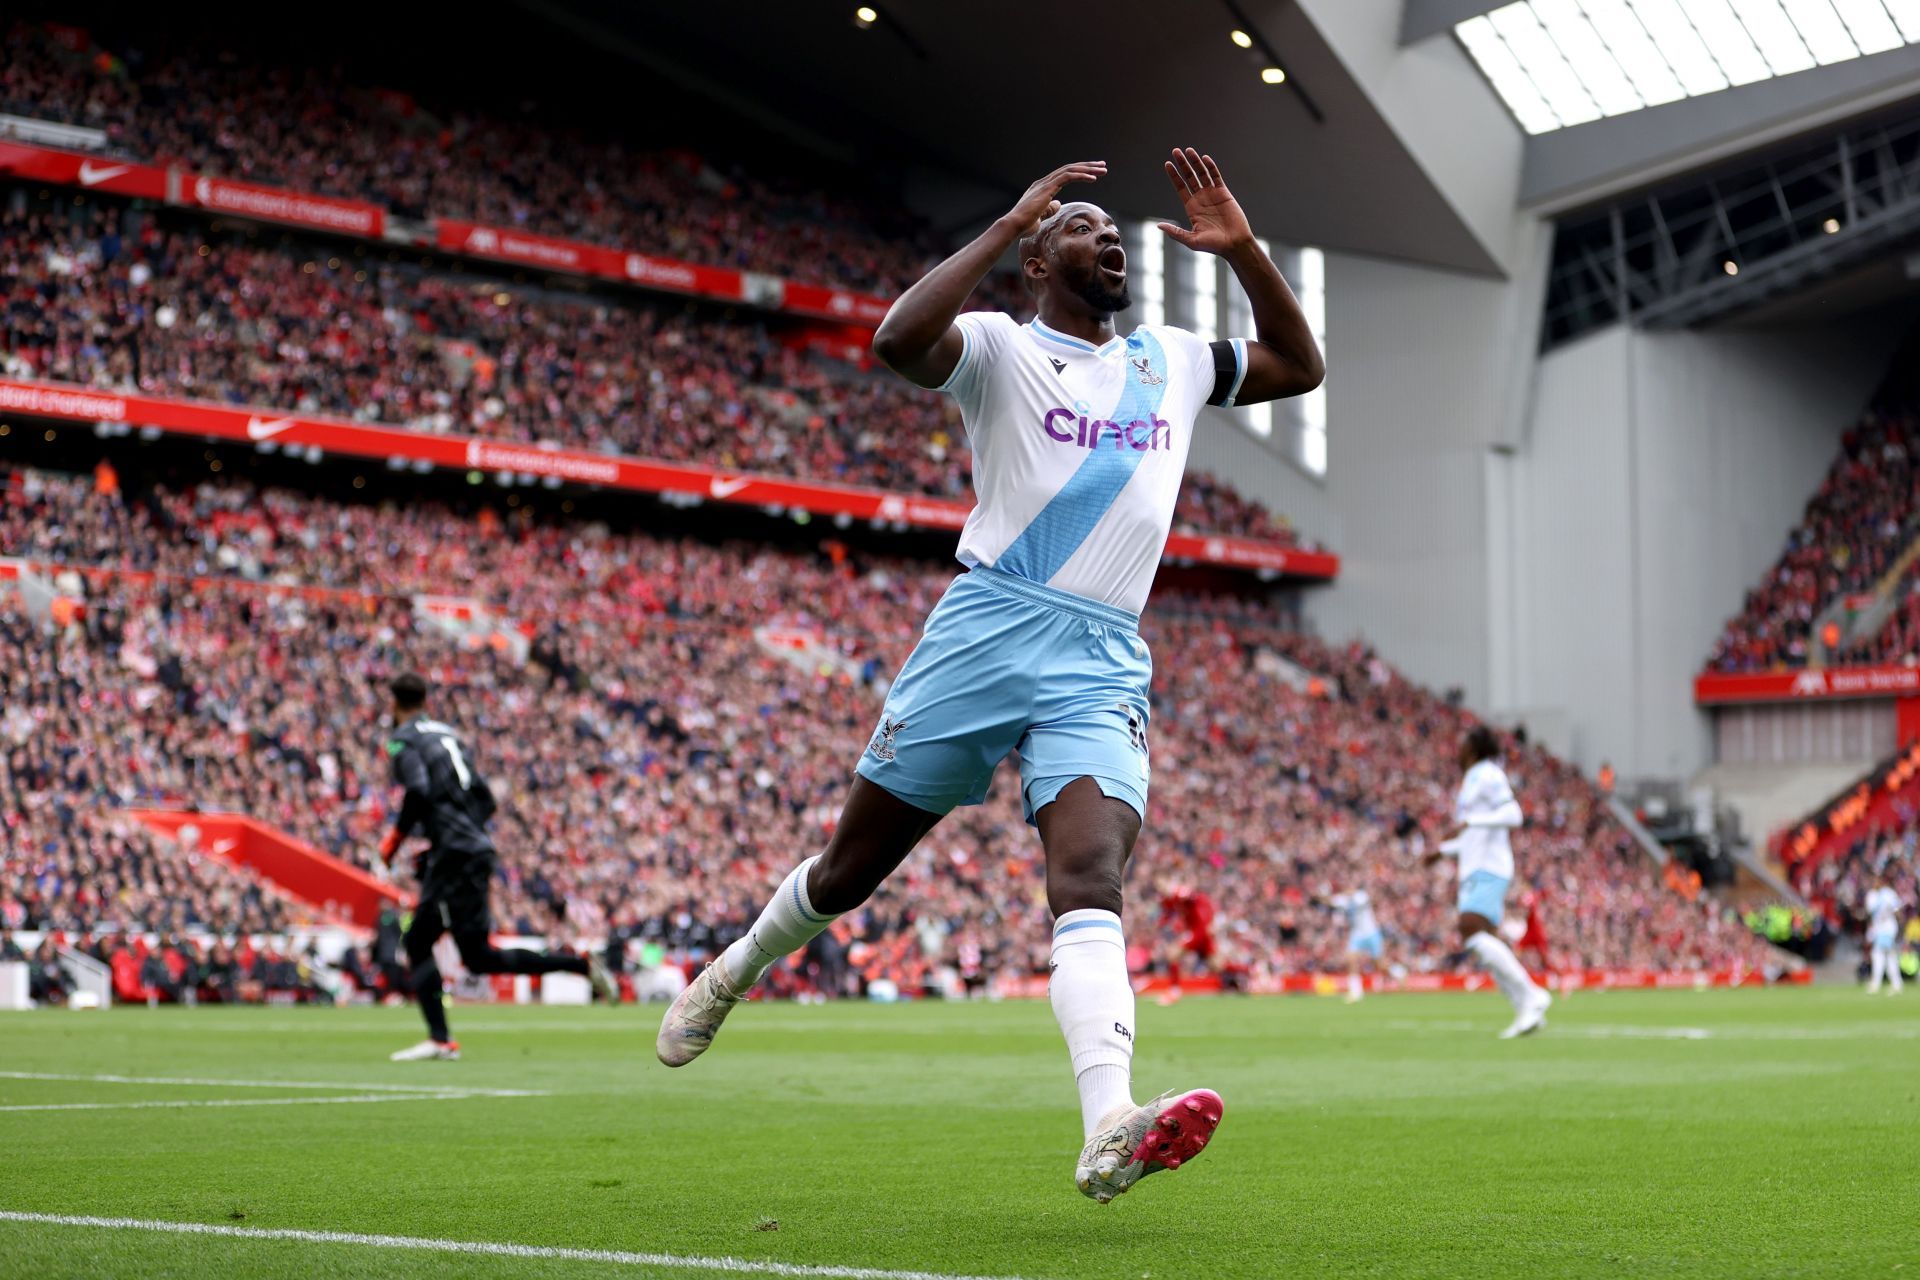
(336, 888)
(1769, 797)
(1857, 625)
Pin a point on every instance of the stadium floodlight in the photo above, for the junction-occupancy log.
(1830, 226)
(1272, 75)
(1731, 267)
(1240, 38)
(865, 16)
(1823, 31)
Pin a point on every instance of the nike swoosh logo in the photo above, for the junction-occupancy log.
(90, 176)
(727, 488)
(260, 429)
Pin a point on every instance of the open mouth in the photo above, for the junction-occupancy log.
(1113, 261)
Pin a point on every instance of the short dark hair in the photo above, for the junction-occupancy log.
(409, 690)
(1483, 742)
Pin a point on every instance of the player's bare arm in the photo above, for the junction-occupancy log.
(1284, 360)
(917, 340)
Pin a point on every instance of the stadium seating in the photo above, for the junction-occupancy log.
(1854, 532)
(661, 765)
(1837, 886)
(313, 130)
(93, 293)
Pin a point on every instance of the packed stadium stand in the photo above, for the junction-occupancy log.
(316, 130)
(662, 755)
(1854, 547)
(98, 293)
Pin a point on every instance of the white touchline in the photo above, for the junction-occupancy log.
(238, 1102)
(658, 1261)
(276, 1084)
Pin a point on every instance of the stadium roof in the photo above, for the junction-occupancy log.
(1565, 62)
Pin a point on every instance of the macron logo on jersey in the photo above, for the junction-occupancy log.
(1143, 434)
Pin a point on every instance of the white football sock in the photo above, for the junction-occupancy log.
(788, 923)
(1093, 1003)
(1353, 985)
(1507, 971)
(1893, 970)
(1878, 956)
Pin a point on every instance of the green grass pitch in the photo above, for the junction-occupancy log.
(1747, 1133)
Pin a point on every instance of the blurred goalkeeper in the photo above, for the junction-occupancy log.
(451, 804)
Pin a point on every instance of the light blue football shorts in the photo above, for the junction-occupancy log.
(1368, 943)
(1484, 894)
(1003, 665)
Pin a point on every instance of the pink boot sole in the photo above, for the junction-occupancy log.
(1182, 1131)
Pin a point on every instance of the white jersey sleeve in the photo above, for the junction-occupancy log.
(983, 337)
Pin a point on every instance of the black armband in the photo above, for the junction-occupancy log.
(1227, 372)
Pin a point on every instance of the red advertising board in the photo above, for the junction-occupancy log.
(1329, 984)
(503, 244)
(467, 453)
(1795, 686)
(65, 168)
(277, 204)
(835, 304)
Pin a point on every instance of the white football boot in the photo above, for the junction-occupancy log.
(1530, 1019)
(1134, 1141)
(694, 1018)
(428, 1051)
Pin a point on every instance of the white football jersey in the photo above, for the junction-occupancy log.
(1486, 793)
(1078, 450)
(1358, 908)
(1883, 909)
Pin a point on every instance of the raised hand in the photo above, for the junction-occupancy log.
(1041, 200)
(1218, 222)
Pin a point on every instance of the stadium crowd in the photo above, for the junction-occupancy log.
(99, 294)
(1837, 886)
(660, 764)
(167, 100)
(1856, 526)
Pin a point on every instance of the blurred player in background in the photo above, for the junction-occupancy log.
(1487, 810)
(1883, 937)
(1193, 913)
(451, 804)
(1080, 436)
(1533, 940)
(1364, 941)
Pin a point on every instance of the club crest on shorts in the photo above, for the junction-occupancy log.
(1143, 365)
(882, 745)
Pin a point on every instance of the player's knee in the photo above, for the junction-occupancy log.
(839, 882)
(1090, 876)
